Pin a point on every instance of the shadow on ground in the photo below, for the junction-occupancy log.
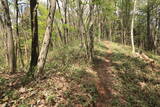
(125, 80)
(114, 80)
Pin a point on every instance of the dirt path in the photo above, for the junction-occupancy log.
(104, 81)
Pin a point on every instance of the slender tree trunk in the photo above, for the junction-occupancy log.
(149, 35)
(158, 36)
(132, 27)
(90, 33)
(124, 36)
(6, 49)
(34, 30)
(18, 48)
(59, 31)
(100, 32)
(122, 32)
(91, 43)
(80, 18)
(4, 34)
(44, 50)
(59, 9)
(65, 20)
(47, 4)
(10, 41)
(110, 32)
(99, 24)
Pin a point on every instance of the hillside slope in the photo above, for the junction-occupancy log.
(115, 79)
(134, 82)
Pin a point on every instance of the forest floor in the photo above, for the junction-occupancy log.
(115, 79)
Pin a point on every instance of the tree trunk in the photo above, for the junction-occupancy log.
(80, 15)
(34, 30)
(132, 27)
(90, 33)
(110, 31)
(4, 34)
(18, 48)
(44, 50)
(59, 31)
(65, 21)
(91, 43)
(59, 9)
(149, 36)
(10, 41)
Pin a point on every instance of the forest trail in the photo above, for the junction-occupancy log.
(120, 75)
(104, 81)
(115, 79)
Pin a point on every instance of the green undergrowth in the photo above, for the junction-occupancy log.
(70, 62)
(153, 56)
(64, 57)
(68, 82)
(136, 83)
(65, 83)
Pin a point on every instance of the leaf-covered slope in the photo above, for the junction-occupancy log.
(135, 82)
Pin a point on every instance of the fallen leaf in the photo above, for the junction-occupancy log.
(22, 90)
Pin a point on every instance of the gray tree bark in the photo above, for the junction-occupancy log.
(46, 41)
(132, 27)
(10, 41)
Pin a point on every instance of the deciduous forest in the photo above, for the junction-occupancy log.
(79, 53)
